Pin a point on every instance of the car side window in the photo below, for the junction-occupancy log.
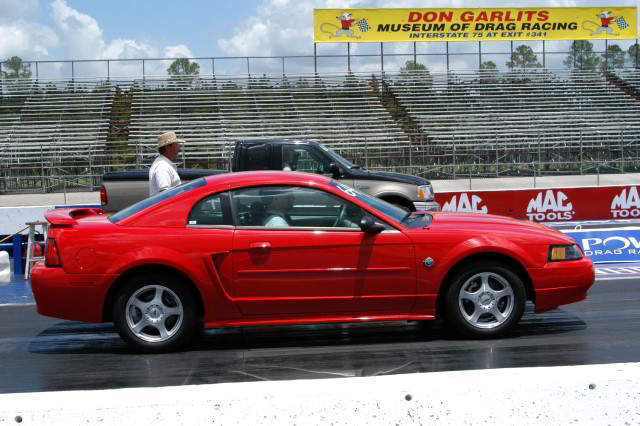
(295, 207)
(303, 158)
(211, 210)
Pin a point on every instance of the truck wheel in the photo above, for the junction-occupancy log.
(403, 207)
(401, 204)
(485, 300)
(155, 313)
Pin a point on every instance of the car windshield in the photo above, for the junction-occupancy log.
(158, 198)
(338, 158)
(382, 206)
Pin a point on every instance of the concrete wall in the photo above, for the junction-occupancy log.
(14, 218)
(591, 395)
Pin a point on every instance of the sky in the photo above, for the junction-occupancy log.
(59, 30)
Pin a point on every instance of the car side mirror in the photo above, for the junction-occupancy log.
(370, 226)
(335, 170)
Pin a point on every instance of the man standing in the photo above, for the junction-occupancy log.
(288, 159)
(163, 174)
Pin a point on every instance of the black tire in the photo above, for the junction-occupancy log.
(174, 295)
(498, 311)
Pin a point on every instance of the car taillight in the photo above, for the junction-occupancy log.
(103, 195)
(52, 257)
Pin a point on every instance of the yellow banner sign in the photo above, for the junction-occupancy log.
(530, 23)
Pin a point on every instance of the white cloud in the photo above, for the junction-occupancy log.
(27, 40)
(12, 10)
(79, 36)
(178, 51)
(80, 33)
(126, 49)
(276, 27)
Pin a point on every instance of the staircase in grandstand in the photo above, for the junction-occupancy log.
(631, 78)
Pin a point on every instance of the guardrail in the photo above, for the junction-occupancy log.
(436, 55)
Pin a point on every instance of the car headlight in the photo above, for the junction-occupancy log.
(559, 253)
(425, 192)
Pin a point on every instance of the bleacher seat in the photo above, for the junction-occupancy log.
(412, 122)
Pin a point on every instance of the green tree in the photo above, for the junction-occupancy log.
(614, 58)
(184, 73)
(413, 66)
(417, 73)
(582, 56)
(634, 55)
(15, 68)
(488, 65)
(523, 57)
(183, 67)
(488, 71)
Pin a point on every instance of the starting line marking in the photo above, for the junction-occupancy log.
(617, 277)
(618, 270)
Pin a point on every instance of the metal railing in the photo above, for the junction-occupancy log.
(435, 55)
(458, 163)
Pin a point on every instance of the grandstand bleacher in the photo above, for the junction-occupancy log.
(53, 129)
(521, 118)
(343, 113)
(486, 123)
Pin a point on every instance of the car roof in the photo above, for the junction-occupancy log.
(277, 141)
(266, 177)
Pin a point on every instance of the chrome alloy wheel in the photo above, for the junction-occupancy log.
(486, 300)
(154, 313)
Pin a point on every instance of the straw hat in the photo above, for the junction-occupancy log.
(168, 138)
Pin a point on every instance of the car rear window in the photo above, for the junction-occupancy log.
(158, 198)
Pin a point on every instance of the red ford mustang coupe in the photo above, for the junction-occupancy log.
(258, 248)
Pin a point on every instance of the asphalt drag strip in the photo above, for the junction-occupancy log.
(46, 354)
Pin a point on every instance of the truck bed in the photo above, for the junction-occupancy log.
(124, 188)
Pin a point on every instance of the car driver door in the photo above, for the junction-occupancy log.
(320, 262)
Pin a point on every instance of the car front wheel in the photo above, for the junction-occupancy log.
(155, 313)
(485, 300)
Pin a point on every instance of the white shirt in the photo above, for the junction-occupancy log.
(163, 175)
(276, 220)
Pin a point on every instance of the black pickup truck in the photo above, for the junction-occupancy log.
(121, 189)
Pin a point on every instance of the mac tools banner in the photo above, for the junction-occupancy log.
(548, 205)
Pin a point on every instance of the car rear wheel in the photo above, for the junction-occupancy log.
(155, 313)
(485, 300)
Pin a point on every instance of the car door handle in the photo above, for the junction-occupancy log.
(260, 245)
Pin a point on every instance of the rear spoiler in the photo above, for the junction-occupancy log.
(69, 216)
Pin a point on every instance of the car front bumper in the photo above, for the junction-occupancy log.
(77, 297)
(560, 283)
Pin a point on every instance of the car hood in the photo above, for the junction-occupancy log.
(487, 222)
(388, 176)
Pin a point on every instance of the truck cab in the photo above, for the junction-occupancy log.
(406, 191)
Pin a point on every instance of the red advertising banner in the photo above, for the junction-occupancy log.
(548, 205)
